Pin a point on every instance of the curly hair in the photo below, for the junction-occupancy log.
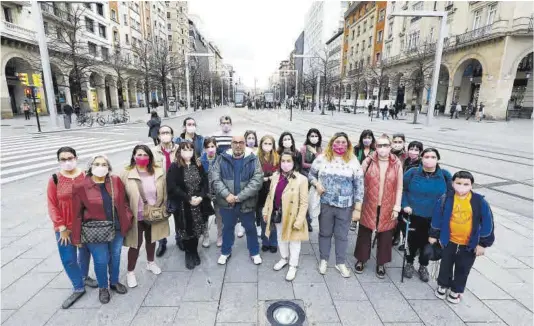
(329, 153)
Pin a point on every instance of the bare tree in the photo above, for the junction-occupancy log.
(309, 81)
(164, 64)
(144, 52)
(356, 77)
(120, 63)
(378, 76)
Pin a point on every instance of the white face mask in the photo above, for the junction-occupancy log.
(461, 190)
(383, 151)
(266, 148)
(190, 129)
(100, 171)
(287, 143)
(68, 166)
(397, 147)
(314, 139)
(165, 138)
(187, 155)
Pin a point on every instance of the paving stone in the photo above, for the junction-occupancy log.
(308, 271)
(168, 289)
(6, 313)
(5, 240)
(61, 281)
(239, 303)
(306, 248)
(483, 288)
(435, 312)
(527, 260)
(369, 275)
(495, 273)
(16, 269)
(527, 302)
(511, 312)
(503, 259)
(276, 290)
(42, 250)
(155, 316)
(196, 313)
(471, 309)
(25, 288)
(357, 313)
(50, 264)
(240, 269)
(40, 308)
(69, 317)
(204, 286)
(344, 289)
(524, 274)
(411, 288)
(318, 304)
(389, 303)
(403, 324)
(236, 324)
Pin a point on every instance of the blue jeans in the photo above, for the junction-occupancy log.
(272, 241)
(104, 255)
(75, 262)
(229, 218)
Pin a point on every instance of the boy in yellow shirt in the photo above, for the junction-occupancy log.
(462, 222)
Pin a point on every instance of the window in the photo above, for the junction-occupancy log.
(382, 15)
(59, 34)
(350, 67)
(169, 27)
(125, 20)
(353, 34)
(168, 15)
(100, 9)
(45, 24)
(183, 41)
(169, 37)
(418, 6)
(358, 31)
(365, 25)
(92, 48)
(380, 35)
(102, 30)
(363, 46)
(402, 44)
(351, 50)
(368, 60)
(113, 15)
(370, 41)
(115, 36)
(378, 57)
(127, 38)
(371, 21)
(87, 5)
(388, 51)
(491, 14)
(357, 47)
(182, 31)
(477, 19)
(170, 48)
(8, 15)
(390, 30)
(89, 25)
(105, 53)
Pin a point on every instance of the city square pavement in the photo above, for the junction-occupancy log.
(499, 290)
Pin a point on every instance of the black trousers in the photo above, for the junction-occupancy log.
(176, 235)
(27, 115)
(418, 238)
(456, 263)
(191, 245)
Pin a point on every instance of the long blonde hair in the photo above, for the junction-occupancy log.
(329, 153)
(274, 158)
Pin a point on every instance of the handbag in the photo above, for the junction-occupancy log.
(151, 213)
(100, 231)
(276, 217)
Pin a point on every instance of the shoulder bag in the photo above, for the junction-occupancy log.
(151, 213)
(100, 231)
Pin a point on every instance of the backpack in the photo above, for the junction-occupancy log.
(54, 176)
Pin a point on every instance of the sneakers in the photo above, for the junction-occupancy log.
(223, 259)
(323, 265)
(291, 273)
(151, 266)
(119, 288)
(358, 268)
(409, 270)
(380, 271)
(256, 259)
(92, 283)
(441, 292)
(131, 280)
(258, 230)
(103, 296)
(240, 230)
(453, 297)
(423, 273)
(71, 299)
(281, 264)
(343, 270)
(353, 226)
(219, 242)
(206, 241)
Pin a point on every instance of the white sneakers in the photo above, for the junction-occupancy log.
(131, 280)
(219, 241)
(151, 266)
(280, 264)
(323, 265)
(343, 270)
(223, 259)
(240, 230)
(291, 273)
(256, 259)
(206, 241)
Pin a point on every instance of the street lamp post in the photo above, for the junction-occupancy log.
(437, 58)
(187, 55)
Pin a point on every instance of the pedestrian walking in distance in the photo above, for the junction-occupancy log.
(237, 178)
(381, 206)
(153, 127)
(285, 211)
(462, 225)
(75, 260)
(187, 187)
(422, 187)
(103, 218)
(146, 189)
(26, 109)
(338, 178)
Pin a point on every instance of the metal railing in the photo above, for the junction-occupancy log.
(17, 30)
(474, 34)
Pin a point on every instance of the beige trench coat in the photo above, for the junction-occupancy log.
(159, 230)
(294, 208)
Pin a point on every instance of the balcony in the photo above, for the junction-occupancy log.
(17, 32)
(55, 12)
(474, 35)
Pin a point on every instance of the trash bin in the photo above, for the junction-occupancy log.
(67, 121)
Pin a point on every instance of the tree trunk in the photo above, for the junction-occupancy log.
(165, 102)
(147, 93)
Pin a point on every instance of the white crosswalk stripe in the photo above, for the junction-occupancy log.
(23, 156)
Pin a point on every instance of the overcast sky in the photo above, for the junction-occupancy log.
(253, 36)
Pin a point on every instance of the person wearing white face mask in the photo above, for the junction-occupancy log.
(224, 137)
(422, 187)
(380, 207)
(285, 212)
(286, 141)
(59, 194)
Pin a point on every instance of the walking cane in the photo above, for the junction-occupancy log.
(406, 249)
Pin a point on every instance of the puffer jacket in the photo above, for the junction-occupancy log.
(251, 180)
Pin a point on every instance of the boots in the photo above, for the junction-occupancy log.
(189, 260)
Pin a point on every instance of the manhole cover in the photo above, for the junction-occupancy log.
(283, 313)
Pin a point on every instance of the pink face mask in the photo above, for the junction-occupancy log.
(211, 151)
(430, 162)
(339, 149)
(461, 190)
(413, 154)
(286, 166)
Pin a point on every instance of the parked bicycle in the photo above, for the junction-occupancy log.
(113, 118)
(85, 119)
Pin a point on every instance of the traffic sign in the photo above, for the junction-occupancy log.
(37, 80)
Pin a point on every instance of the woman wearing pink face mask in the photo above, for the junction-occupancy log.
(285, 211)
(145, 184)
(338, 178)
(422, 187)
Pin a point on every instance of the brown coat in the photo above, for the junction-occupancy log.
(159, 230)
(159, 157)
(294, 208)
(391, 197)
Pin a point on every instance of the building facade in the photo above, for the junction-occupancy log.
(178, 38)
(334, 47)
(299, 50)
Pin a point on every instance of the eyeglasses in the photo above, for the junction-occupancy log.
(70, 159)
(165, 133)
(382, 145)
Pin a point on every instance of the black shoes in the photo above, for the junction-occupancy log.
(180, 244)
(358, 268)
(265, 248)
(189, 260)
(161, 250)
(119, 288)
(91, 283)
(273, 249)
(380, 271)
(71, 299)
(103, 296)
(310, 228)
(196, 258)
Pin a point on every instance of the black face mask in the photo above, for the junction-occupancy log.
(396, 152)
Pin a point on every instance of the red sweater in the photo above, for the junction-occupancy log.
(60, 200)
(87, 203)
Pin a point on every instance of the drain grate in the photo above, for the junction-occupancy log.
(282, 313)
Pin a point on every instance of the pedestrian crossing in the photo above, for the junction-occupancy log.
(25, 156)
(114, 131)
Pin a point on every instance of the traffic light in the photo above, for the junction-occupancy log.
(28, 92)
(23, 78)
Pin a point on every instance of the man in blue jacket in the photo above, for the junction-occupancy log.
(462, 222)
(236, 178)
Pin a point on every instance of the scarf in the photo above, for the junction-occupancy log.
(167, 158)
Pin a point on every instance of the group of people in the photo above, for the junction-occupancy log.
(272, 189)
